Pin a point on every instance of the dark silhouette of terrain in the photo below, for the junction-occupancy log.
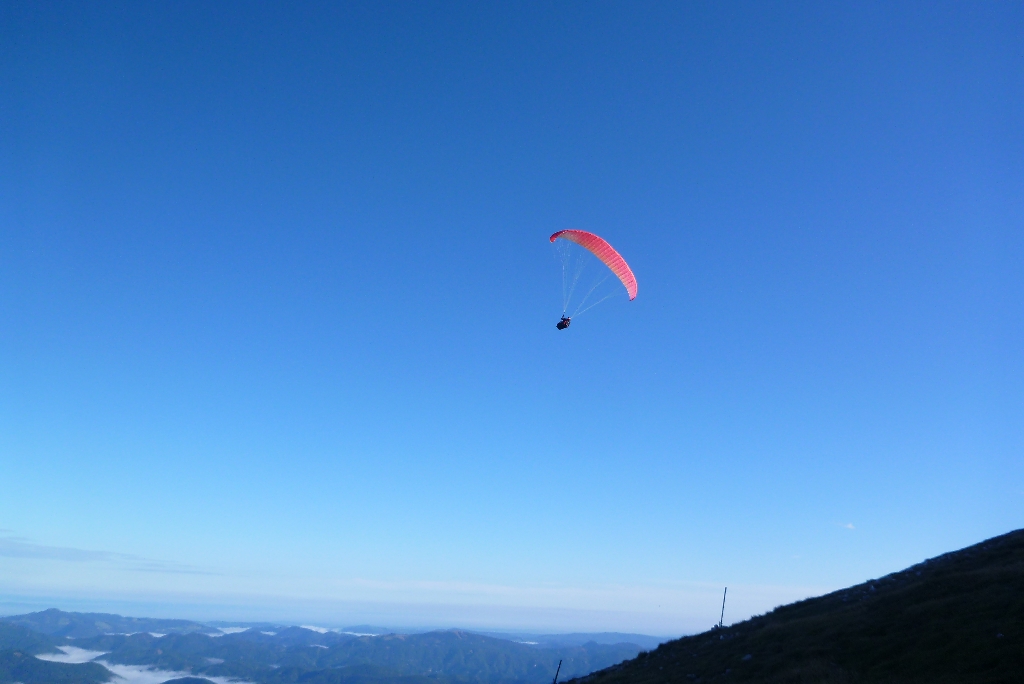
(954, 619)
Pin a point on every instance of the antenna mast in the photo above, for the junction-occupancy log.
(722, 617)
(555, 680)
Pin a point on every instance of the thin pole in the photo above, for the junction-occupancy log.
(722, 618)
(555, 681)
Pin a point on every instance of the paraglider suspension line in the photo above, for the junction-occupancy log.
(571, 273)
(580, 309)
(580, 312)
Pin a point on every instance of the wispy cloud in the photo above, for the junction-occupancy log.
(19, 547)
(848, 526)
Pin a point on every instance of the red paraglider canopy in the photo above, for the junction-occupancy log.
(605, 252)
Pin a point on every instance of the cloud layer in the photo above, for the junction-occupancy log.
(12, 546)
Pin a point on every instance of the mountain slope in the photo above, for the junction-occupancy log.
(956, 619)
(16, 666)
(469, 656)
(18, 638)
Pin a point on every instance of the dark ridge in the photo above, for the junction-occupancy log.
(188, 680)
(954, 619)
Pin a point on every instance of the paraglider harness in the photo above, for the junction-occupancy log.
(563, 324)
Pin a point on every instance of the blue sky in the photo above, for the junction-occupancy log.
(278, 306)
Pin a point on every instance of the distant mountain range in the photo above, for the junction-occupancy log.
(954, 619)
(279, 654)
(57, 623)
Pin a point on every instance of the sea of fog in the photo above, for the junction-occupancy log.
(126, 674)
(71, 654)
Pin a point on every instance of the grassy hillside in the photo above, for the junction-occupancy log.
(954, 619)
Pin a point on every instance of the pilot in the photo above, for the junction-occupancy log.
(562, 324)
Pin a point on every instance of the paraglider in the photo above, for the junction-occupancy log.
(606, 254)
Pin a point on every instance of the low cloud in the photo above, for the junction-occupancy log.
(138, 674)
(71, 654)
(19, 547)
